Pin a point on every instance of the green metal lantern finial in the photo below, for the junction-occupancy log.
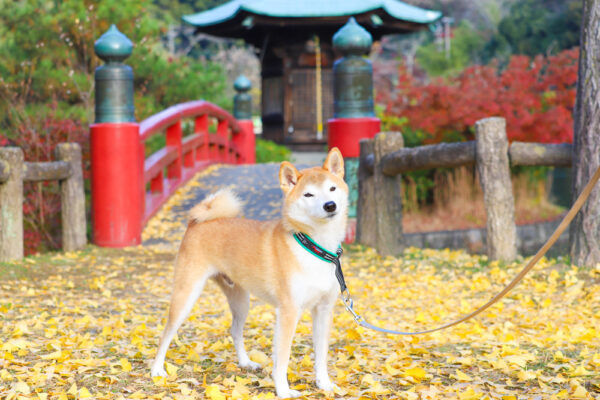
(113, 46)
(242, 102)
(353, 73)
(114, 80)
(352, 39)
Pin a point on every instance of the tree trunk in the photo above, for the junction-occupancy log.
(585, 229)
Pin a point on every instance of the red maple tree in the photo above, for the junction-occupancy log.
(536, 96)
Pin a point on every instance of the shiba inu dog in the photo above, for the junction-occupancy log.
(263, 258)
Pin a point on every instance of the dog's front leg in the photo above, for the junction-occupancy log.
(321, 316)
(287, 319)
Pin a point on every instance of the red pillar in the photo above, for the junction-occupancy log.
(246, 141)
(345, 133)
(117, 191)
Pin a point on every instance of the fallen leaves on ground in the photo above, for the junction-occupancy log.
(86, 325)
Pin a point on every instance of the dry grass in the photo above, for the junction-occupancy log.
(458, 203)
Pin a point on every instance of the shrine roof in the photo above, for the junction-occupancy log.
(312, 9)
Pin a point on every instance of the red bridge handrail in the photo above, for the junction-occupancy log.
(155, 123)
(183, 157)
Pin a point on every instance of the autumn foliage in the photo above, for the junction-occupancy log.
(535, 95)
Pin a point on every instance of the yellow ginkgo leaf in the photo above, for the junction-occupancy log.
(416, 372)
(84, 393)
(258, 356)
(469, 394)
(213, 392)
(21, 387)
(171, 369)
(125, 364)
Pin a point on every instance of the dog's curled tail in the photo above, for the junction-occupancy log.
(221, 204)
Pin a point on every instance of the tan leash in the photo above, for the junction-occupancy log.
(541, 252)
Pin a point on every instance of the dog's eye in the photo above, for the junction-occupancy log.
(308, 194)
(331, 189)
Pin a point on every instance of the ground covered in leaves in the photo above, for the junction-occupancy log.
(86, 325)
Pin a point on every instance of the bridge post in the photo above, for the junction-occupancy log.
(242, 111)
(116, 149)
(353, 112)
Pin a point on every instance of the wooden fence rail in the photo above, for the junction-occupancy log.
(14, 172)
(451, 155)
(490, 153)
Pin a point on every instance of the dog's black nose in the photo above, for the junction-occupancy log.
(329, 206)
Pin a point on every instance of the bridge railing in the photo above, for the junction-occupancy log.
(127, 187)
(183, 156)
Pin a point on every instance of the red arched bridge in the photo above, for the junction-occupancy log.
(128, 187)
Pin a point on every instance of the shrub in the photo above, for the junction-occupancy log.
(268, 151)
(536, 96)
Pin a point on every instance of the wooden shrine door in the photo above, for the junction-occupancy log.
(300, 125)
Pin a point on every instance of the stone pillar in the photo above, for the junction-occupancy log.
(389, 239)
(74, 228)
(365, 206)
(494, 173)
(11, 204)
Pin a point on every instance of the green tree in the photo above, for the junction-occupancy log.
(466, 44)
(48, 57)
(536, 27)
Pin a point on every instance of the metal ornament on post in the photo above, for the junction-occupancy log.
(353, 73)
(114, 80)
(242, 101)
(116, 149)
(353, 108)
(242, 111)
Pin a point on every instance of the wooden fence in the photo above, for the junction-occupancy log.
(383, 159)
(14, 171)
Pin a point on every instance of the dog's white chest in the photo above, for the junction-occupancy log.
(315, 283)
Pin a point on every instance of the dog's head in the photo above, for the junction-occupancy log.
(315, 196)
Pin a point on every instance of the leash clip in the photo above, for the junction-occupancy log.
(349, 304)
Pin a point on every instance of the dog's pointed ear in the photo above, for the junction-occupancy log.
(334, 162)
(288, 176)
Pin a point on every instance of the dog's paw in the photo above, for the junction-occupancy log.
(249, 364)
(158, 370)
(326, 384)
(288, 393)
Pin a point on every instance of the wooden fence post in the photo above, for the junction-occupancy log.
(388, 198)
(494, 173)
(11, 205)
(365, 206)
(72, 198)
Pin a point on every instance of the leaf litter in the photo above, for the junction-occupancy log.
(86, 325)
